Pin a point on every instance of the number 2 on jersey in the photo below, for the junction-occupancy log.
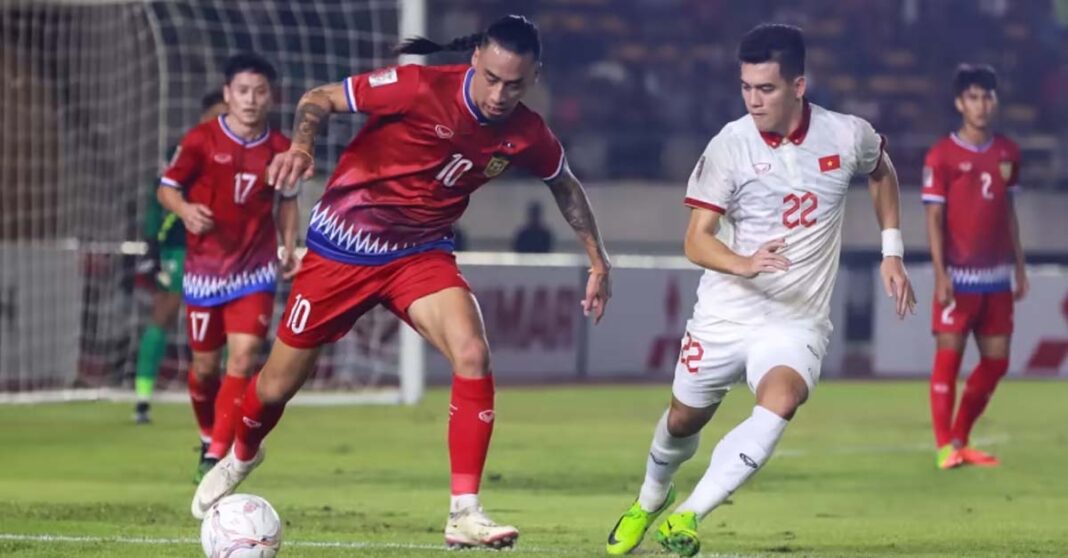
(799, 210)
(243, 183)
(987, 181)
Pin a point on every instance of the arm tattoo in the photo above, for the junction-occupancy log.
(310, 116)
(576, 210)
(574, 207)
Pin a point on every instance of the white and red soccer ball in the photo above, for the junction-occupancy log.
(241, 526)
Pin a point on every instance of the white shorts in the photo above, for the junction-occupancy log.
(716, 355)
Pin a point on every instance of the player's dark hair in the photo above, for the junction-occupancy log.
(248, 62)
(775, 42)
(979, 75)
(210, 99)
(513, 33)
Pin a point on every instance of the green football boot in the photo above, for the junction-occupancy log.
(631, 527)
(678, 534)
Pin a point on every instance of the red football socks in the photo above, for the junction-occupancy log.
(257, 420)
(471, 418)
(202, 395)
(943, 393)
(227, 413)
(977, 392)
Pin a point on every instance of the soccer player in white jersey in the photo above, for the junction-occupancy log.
(779, 175)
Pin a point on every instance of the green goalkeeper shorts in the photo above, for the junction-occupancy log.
(171, 268)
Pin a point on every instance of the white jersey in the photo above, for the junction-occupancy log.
(771, 187)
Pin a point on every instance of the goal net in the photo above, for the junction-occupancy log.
(94, 93)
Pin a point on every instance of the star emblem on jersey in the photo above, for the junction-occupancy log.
(830, 163)
(496, 166)
(1006, 169)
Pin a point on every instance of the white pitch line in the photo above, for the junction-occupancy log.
(918, 447)
(46, 538)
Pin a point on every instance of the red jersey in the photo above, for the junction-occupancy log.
(216, 168)
(407, 175)
(976, 184)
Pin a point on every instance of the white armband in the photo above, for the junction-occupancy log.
(893, 245)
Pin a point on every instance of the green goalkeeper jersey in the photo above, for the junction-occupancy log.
(162, 225)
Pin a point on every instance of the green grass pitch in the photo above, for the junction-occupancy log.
(853, 477)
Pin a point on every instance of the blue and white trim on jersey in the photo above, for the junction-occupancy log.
(205, 290)
(337, 240)
(470, 102)
(238, 139)
(350, 94)
(559, 167)
(170, 183)
(981, 279)
(970, 147)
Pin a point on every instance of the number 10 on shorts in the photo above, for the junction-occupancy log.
(298, 315)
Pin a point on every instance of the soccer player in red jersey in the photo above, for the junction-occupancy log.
(381, 234)
(217, 185)
(969, 179)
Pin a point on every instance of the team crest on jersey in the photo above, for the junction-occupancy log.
(222, 158)
(496, 166)
(1006, 169)
(966, 166)
(762, 168)
(443, 132)
(385, 77)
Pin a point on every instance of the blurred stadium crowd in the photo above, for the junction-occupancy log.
(636, 87)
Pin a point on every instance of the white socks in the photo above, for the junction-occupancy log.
(460, 502)
(665, 455)
(737, 456)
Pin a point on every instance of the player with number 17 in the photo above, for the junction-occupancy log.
(216, 183)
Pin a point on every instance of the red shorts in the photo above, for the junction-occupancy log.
(329, 296)
(209, 325)
(984, 313)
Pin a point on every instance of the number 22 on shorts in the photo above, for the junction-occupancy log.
(691, 353)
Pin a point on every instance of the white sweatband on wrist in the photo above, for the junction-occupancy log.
(893, 245)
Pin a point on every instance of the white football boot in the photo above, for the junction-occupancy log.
(470, 528)
(221, 481)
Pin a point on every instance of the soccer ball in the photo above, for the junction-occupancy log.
(241, 526)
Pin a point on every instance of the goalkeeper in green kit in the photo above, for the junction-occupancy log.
(165, 235)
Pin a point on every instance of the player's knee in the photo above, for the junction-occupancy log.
(782, 402)
(471, 358)
(240, 363)
(275, 389)
(783, 397)
(684, 423)
(205, 365)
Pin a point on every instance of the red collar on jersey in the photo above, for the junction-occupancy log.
(797, 136)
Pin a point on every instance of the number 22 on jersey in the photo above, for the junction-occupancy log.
(799, 210)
